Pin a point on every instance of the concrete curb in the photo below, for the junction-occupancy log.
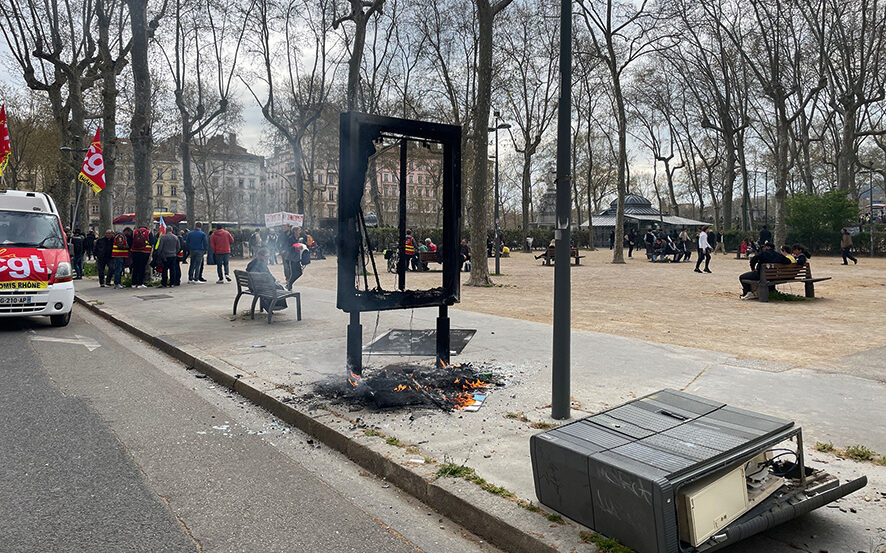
(484, 524)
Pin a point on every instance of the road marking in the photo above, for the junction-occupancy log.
(84, 341)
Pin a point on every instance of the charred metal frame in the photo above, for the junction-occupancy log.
(359, 133)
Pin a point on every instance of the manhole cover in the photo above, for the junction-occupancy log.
(154, 297)
(417, 342)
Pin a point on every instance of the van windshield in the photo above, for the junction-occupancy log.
(30, 230)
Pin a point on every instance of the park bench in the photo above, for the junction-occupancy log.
(773, 274)
(262, 285)
(430, 257)
(548, 256)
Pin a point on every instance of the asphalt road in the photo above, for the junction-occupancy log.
(110, 446)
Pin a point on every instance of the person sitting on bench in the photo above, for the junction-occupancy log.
(768, 255)
(259, 264)
(801, 254)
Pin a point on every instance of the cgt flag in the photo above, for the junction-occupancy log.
(5, 146)
(93, 171)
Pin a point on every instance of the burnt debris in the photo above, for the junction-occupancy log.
(445, 388)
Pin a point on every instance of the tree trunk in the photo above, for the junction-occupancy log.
(618, 251)
(729, 180)
(846, 155)
(479, 149)
(356, 59)
(142, 139)
(187, 177)
(526, 181)
(297, 156)
(781, 173)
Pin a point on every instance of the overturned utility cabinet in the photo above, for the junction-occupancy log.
(677, 473)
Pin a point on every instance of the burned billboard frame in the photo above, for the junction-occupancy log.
(359, 133)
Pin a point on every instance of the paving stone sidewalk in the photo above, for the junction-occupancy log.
(288, 357)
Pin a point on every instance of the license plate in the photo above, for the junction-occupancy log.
(14, 300)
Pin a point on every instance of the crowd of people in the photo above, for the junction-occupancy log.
(166, 250)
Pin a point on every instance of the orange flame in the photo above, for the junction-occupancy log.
(353, 378)
(401, 387)
(463, 400)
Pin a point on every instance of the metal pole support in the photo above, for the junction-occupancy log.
(443, 336)
(355, 344)
(561, 365)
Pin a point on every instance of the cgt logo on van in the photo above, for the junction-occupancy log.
(22, 269)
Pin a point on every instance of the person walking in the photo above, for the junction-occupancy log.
(141, 253)
(221, 249)
(612, 239)
(78, 247)
(89, 244)
(167, 252)
(197, 244)
(765, 235)
(846, 246)
(704, 251)
(102, 250)
(721, 246)
(120, 254)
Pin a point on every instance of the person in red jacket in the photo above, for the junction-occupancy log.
(220, 243)
(141, 253)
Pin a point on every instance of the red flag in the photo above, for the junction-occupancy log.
(93, 171)
(5, 147)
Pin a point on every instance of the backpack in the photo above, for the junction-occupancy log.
(306, 257)
(140, 239)
(120, 242)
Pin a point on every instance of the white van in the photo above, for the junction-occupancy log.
(35, 268)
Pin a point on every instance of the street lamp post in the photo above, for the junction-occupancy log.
(766, 197)
(495, 215)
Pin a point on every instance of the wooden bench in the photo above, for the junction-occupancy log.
(262, 285)
(548, 256)
(430, 257)
(773, 274)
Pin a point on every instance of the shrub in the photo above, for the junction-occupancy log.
(814, 219)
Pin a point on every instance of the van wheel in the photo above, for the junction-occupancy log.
(60, 320)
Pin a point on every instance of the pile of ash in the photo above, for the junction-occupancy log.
(442, 387)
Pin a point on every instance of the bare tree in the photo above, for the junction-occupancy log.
(206, 47)
(360, 13)
(529, 84)
(621, 33)
(306, 78)
(852, 36)
(777, 25)
(479, 137)
(53, 46)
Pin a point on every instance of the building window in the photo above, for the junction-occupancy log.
(94, 209)
(251, 183)
(330, 179)
(159, 189)
(240, 182)
(410, 178)
(173, 206)
(384, 177)
(130, 174)
(421, 179)
(174, 175)
(331, 195)
(319, 178)
(159, 173)
(173, 191)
